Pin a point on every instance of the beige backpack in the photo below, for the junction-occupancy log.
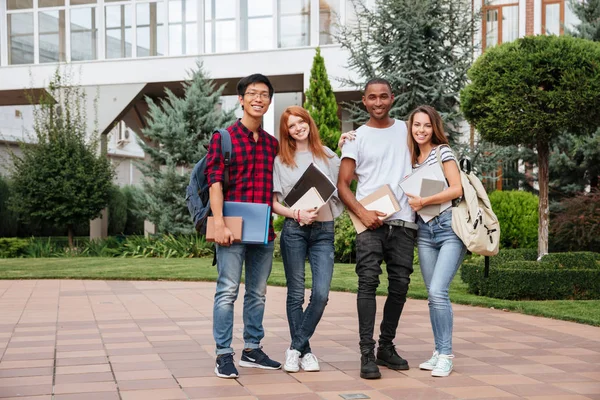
(473, 219)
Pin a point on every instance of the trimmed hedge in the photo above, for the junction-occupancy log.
(517, 212)
(514, 275)
(13, 247)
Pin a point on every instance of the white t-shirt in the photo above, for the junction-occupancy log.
(381, 157)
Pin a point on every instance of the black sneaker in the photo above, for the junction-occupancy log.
(368, 367)
(225, 367)
(256, 358)
(388, 357)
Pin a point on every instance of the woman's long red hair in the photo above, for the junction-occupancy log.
(287, 144)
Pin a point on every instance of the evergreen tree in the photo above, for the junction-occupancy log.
(61, 178)
(422, 47)
(321, 103)
(588, 13)
(178, 129)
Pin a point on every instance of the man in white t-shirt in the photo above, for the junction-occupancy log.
(379, 155)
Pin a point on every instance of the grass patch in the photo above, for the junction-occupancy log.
(344, 280)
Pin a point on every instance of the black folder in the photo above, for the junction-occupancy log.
(312, 177)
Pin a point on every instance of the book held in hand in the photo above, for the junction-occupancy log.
(429, 187)
(313, 177)
(413, 184)
(255, 220)
(311, 200)
(383, 200)
(233, 223)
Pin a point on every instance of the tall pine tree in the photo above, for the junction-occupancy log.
(588, 13)
(321, 103)
(422, 47)
(178, 129)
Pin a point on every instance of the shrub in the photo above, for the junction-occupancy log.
(345, 239)
(575, 226)
(557, 276)
(10, 224)
(517, 212)
(167, 246)
(13, 247)
(117, 211)
(134, 224)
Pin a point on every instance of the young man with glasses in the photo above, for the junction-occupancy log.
(250, 180)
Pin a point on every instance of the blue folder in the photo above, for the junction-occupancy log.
(256, 218)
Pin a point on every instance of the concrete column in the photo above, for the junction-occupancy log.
(149, 228)
(99, 226)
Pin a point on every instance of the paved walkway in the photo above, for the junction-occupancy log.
(96, 340)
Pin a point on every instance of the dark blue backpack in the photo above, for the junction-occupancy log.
(196, 195)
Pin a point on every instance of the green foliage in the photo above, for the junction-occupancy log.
(167, 246)
(527, 91)
(345, 238)
(321, 103)
(557, 276)
(588, 13)
(177, 130)
(134, 224)
(576, 223)
(517, 212)
(423, 48)
(60, 178)
(12, 247)
(10, 222)
(117, 211)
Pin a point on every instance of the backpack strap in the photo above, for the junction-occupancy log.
(226, 149)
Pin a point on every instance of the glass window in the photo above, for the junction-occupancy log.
(79, 2)
(19, 4)
(501, 22)
(260, 25)
(84, 34)
(294, 23)
(183, 27)
(220, 25)
(51, 3)
(260, 8)
(52, 36)
(328, 14)
(150, 29)
(118, 31)
(20, 44)
(552, 20)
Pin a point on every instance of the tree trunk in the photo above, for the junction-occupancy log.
(70, 234)
(543, 150)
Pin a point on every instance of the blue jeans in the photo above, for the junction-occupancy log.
(258, 260)
(394, 245)
(440, 254)
(297, 242)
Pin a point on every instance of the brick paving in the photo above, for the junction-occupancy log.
(105, 340)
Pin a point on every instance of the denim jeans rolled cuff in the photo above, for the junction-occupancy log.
(395, 246)
(258, 260)
(440, 253)
(315, 241)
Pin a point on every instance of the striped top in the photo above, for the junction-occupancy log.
(446, 155)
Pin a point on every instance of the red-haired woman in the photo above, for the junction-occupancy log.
(305, 232)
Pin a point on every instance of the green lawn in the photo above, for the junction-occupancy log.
(344, 279)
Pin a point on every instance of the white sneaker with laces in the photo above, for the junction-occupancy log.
(309, 363)
(292, 360)
(430, 364)
(443, 366)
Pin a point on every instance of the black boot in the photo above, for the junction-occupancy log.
(387, 356)
(368, 367)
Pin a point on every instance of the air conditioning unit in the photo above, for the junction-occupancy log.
(123, 134)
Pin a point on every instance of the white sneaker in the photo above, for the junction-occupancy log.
(430, 364)
(309, 363)
(292, 360)
(443, 366)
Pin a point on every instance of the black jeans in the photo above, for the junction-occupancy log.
(394, 245)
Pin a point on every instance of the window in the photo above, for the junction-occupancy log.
(84, 34)
(19, 4)
(329, 11)
(500, 22)
(150, 29)
(118, 31)
(52, 35)
(183, 27)
(260, 25)
(294, 23)
(20, 42)
(220, 26)
(556, 15)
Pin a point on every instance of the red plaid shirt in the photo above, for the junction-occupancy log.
(251, 169)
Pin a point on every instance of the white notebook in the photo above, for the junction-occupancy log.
(311, 200)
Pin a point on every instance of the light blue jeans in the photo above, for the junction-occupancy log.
(258, 260)
(440, 254)
(297, 242)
